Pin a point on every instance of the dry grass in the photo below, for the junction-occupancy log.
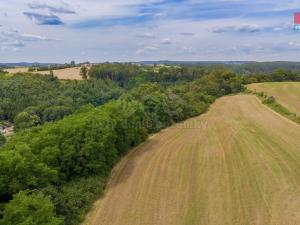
(17, 70)
(286, 93)
(63, 74)
(238, 164)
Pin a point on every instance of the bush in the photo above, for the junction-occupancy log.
(74, 199)
(2, 139)
(269, 100)
(24, 120)
(20, 169)
(30, 208)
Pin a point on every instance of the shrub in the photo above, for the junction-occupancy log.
(30, 208)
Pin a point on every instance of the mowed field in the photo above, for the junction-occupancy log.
(17, 70)
(286, 93)
(239, 164)
(63, 74)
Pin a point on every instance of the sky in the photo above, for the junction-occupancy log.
(134, 30)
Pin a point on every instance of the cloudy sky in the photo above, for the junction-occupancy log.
(133, 30)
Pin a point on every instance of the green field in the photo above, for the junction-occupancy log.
(286, 93)
(238, 164)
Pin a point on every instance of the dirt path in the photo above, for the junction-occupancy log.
(238, 164)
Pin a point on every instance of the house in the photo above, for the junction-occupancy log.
(6, 130)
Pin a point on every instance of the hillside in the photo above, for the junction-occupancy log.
(286, 93)
(237, 164)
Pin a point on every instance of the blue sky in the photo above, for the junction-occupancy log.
(133, 30)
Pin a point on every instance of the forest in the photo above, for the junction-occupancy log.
(70, 134)
(28, 100)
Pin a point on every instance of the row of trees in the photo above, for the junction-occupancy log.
(50, 174)
(52, 67)
(263, 67)
(277, 75)
(131, 74)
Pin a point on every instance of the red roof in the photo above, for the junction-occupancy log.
(297, 18)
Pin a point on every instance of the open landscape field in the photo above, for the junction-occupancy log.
(149, 112)
(237, 164)
(286, 93)
(63, 74)
(17, 70)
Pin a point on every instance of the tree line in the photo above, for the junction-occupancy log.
(278, 75)
(131, 74)
(52, 67)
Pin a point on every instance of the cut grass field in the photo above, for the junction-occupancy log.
(237, 164)
(63, 74)
(17, 70)
(286, 93)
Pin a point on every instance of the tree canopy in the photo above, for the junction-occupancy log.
(30, 209)
(29, 100)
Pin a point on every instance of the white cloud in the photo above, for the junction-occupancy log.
(166, 41)
(146, 36)
(187, 33)
(242, 28)
(294, 44)
(14, 40)
(148, 49)
(51, 8)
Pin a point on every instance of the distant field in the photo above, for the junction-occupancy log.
(17, 70)
(238, 164)
(63, 74)
(286, 93)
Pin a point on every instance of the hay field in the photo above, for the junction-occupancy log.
(63, 74)
(286, 93)
(17, 70)
(237, 164)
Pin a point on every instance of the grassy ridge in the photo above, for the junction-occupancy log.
(286, 93)
(271, 102)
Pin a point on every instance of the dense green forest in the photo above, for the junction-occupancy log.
(131, 75)
(29, 100)
(240, 67)
(50, 173)
(277, 75)
(263, 67)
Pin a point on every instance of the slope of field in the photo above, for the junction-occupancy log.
(286, 93)
(238, 164)
(63, 74)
